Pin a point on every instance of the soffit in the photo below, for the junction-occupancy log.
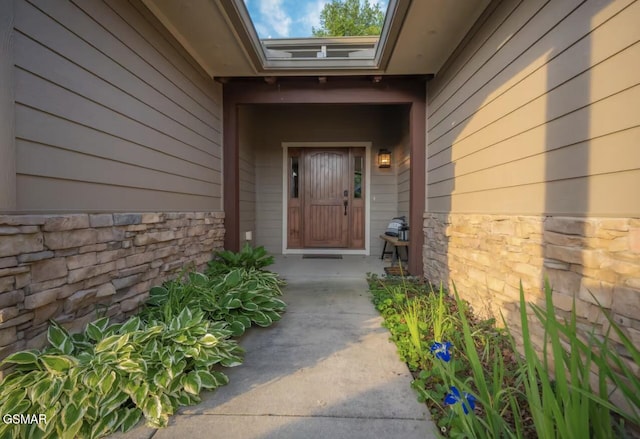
(431, 31)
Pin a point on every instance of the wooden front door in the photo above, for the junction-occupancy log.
(326, 198)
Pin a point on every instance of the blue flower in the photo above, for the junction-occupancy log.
(442, 350)
(454, 398)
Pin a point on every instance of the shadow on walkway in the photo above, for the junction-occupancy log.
(327, 369)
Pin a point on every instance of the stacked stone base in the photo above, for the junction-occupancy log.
(590, 260)
(71, 267)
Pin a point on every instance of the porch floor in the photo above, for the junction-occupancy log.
(327, 369)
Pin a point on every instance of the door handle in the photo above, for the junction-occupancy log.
(346, 203)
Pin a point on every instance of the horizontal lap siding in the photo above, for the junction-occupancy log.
(110, 113)
(542, 100)
(402, 159)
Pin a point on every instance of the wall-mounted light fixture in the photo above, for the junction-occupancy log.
(384, 158)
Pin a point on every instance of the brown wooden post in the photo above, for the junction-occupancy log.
(231, 173)
(417, 184)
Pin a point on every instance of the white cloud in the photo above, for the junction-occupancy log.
(312, 12)
(274, 17)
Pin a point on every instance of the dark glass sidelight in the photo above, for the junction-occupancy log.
(357, 177)
(294, 185)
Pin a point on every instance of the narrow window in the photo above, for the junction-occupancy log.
(357, 177)
(294, 177)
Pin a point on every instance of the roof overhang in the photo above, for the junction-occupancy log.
(418, 37)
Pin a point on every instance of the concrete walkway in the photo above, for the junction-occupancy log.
(326, 370)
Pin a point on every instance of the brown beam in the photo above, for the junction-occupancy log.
(417, 186)
(231, 174)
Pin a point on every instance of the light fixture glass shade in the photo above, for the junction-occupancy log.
(384, 158)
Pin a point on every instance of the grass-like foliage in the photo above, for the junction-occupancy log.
(478, 385)
(576, 404)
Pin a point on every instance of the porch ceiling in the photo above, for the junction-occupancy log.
(431, 31)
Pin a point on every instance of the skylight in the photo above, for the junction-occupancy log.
(279, 35)
(296, 18)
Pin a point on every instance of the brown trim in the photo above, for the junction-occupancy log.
(357, 235)
(231, 175)
(348, 91)
(417, 176)
(294, 208)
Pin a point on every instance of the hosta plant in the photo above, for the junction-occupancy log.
(238, 298)
(107, 378)
(248, 257)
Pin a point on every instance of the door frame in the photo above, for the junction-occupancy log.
(367, 199)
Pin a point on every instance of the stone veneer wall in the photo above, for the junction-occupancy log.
(488, 255)
(63, 267)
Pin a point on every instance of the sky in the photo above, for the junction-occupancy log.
(289, 18)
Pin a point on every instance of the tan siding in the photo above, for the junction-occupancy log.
(45, 128)
(46, 192)
(131, 45)
(526, 80)
(111, 103)
(528, 199)
(46, 161)
(553, 108)
(403, 163)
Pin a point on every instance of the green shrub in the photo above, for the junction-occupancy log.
(485, 389)
(249, 257)
(111, 375)
(93, 383)
(568, 406)
(239, 298)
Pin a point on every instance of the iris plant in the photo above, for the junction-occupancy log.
(442, 350)
(454, 398)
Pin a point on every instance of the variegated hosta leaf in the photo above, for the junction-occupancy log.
(106, 383)
(132, 366)
(152, 408)
(191, 383)
(131, 325)
(130, 419)
(59, 338)
(23, 357)
(105, 424)
(208, 340)
(58, 363)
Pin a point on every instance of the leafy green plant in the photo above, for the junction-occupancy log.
(92, 383)
(448, 364)
(488, 387)
(239, 298)
(242, 302)
(485, 389)
(568, 406)
(249, 257)
(412, 317)
(613, 368)
(111, 375)
(441, 320)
